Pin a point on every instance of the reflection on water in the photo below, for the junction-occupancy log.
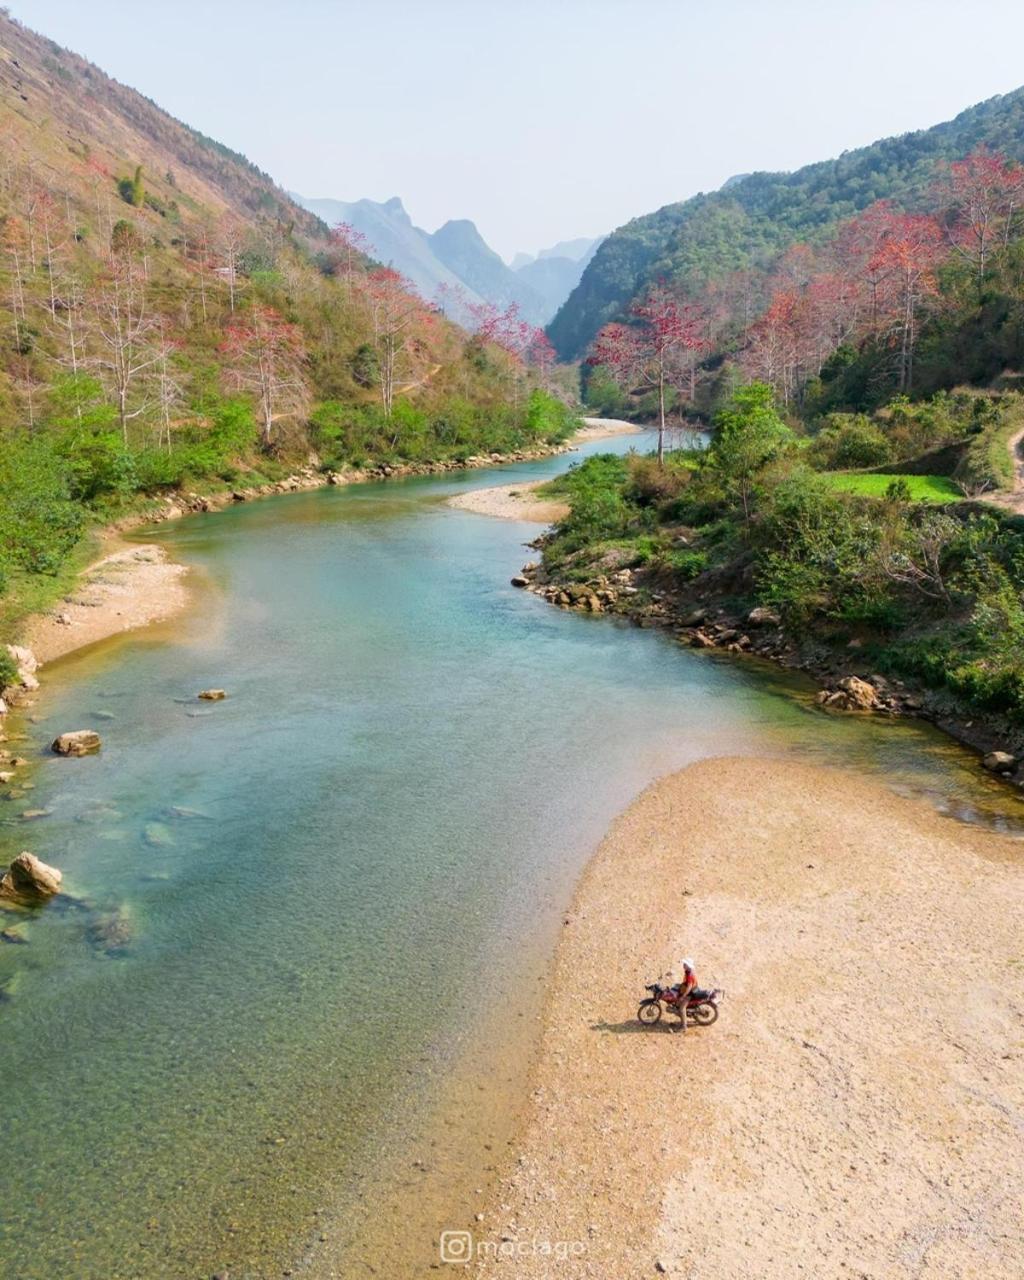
(286, 900)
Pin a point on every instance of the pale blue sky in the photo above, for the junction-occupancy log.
(543, 119)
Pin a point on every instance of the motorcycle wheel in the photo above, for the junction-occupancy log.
(704, 1014)
(649, 1012)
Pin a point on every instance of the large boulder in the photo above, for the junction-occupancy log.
(29, 880)
(860, 695)
(78, 742)
(762, 617)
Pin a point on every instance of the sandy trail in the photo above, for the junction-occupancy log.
(514, 501)
(1012, 499)
(858, 1109)
(129, 588)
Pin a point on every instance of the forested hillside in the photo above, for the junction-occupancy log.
(169, 316)
(747, 224)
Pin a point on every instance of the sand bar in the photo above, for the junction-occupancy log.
(858, 1109)
(129, 588)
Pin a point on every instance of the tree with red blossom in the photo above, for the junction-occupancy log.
(650, 352)
(397, 315)
(349, 249)
(985, 189)
(266, 354)
(907, 256)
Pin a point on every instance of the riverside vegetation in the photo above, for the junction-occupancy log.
(761, 543)
(170, 320)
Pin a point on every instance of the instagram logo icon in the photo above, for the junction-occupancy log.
(456, 1246)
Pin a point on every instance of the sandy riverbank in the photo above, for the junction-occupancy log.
(130, 587)
(514, 502)
(817, 1129)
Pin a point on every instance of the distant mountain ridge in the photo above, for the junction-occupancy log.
(456, 258)
(754, 217)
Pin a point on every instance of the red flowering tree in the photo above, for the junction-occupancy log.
(349, 249)
(266, 354)
(909, 251)
(651, 352)
(985, 190)
(399, 317)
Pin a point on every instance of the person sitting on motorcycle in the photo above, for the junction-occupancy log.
(683, 989)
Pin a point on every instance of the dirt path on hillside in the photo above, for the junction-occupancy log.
(1012, 499)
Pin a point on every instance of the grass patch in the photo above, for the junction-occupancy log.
(922, 488)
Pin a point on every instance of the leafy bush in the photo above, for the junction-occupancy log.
(848, 441)
(39, 520)
(8, 669)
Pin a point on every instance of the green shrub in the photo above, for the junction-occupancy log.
(849, 441)
(8, 669)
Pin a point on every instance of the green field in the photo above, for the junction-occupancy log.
(922, 488)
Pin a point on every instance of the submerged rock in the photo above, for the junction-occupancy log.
(180, 812)
(77, 742)
(29, 880)
(112, 932)
(156, 835)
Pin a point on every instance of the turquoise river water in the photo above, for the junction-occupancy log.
(303, 906)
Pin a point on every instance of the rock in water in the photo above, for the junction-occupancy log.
(111, 932)
(1000, 762)
(860, 695)
(156, 835)
(212, 695)
(30, 880)
(78, 742)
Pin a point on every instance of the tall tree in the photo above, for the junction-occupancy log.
(126, 332)
(266, 355)
(985, 190)
(396, 314)
(909, 252)
(650, 352)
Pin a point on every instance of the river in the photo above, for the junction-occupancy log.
(318, 914)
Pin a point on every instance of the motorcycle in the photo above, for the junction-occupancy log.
(700, 1007)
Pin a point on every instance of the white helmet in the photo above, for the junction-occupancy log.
(687, 962)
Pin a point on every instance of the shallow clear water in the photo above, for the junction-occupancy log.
(412, 765)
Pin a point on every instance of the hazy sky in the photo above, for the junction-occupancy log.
(543, 119)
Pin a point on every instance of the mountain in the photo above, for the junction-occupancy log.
(580, 250)
(462, 250)
(77, 126)
(453, 258)
(554, 275)
(753, 218)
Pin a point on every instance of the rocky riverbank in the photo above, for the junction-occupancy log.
(175, 506)
(847, 683)
(848, 1115)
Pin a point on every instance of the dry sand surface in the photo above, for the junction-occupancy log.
(129, 588)
(858, 1109)
(602, 428)
(514, 501)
